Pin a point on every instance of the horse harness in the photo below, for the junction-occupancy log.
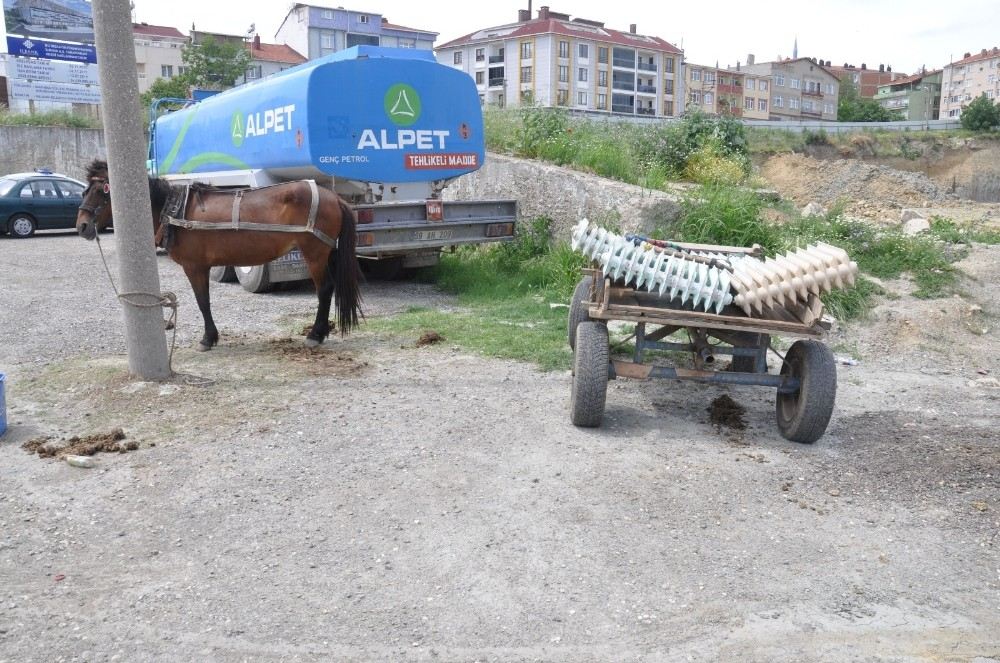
(173, 214)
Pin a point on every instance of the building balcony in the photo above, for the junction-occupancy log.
(812, 93)
(816, 112)
(645, 66)
(730, 89)
(494, 59)
(624, 64)
(620, 108)
(619, 85)
(646, 89)
(497, 82)
(645, 111)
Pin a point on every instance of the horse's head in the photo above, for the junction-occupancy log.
(94, 212)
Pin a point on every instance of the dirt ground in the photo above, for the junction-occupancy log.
(384, 501)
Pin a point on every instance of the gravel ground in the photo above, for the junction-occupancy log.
(379, 501)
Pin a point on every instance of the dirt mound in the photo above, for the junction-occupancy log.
(725, 412)
(867, 190)
(81, 446)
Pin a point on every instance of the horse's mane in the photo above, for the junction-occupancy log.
(97, 168)
(159, 189)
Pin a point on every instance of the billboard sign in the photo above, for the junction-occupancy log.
(53, 71)
(51, 50)
(61, 92)
(62, 20)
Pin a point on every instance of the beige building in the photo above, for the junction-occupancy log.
(157, 53)
(553, 60)
(727, 91)
(800, 88)
(970, 77)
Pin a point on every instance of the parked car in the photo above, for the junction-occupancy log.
(41, 200)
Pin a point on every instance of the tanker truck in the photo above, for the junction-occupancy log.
(385, 128)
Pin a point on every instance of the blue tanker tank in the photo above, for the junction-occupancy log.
(367, 114)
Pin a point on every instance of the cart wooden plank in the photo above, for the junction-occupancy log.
(683, 318)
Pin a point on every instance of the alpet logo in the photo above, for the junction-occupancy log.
(237, 129)
(402, 104)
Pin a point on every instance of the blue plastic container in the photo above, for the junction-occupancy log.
(3, 404)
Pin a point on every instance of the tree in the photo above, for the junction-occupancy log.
(981, 115)
(176, 87)
(852, 107)
(215, 65)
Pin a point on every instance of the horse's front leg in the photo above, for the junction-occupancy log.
(198, 276)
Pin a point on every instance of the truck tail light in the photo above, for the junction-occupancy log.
(366, 215)
(366, 239)
(435, 210)
(500, 230)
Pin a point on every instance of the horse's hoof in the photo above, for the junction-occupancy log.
(312, 343)
(203, 348)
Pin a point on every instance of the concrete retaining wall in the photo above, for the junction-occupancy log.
(63, 150)
(565, 196)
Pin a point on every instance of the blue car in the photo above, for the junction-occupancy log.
(41, 200)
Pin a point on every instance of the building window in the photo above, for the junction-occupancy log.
(525, 74)
(583, 51)
(602, 101)
(602, 78)
(807, 105)
(828, 109)
(480, 54)
(602, 54)
(582, 75)
(668, 65)
(794, 83)
(668, 86)
(403, 42)
(328, 14)
(829, 88)
(181, 70)
(696, 74)
(564, 49)
(167, 71)
(779, 79)
(668, 108)
(762, 86)
(458, 57)
(762, 105)
(748, 103)
(709, 76)
(793, 103)
(562, 97)
(480, 77)
(581, 99)
(563, 74)
(751, 83)
(778, 102)
(709, 98)
(695, 97)
(525, 50)
(362, 19)
(326, 41)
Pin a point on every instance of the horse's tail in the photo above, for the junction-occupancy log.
(346, 271)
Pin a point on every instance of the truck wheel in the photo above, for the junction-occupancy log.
(221, 274)
(590, 375)
(804, 415)
(254, 279)
(578, 309)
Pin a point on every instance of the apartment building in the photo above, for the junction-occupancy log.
(718, 91)
(917, 97)
(317, 31)
(801, 89)
(970, 77)
(866, 81)
(756, 95)
(555, 60)
(157, 53)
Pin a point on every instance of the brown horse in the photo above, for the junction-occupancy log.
(335, 273)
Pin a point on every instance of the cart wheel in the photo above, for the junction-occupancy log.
(590, 375)
(578, 310)
(803, 416)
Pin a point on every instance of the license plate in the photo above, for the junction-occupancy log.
(292, 256)
(432, 234)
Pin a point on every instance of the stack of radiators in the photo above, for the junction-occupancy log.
(713, 279)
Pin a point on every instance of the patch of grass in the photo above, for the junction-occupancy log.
(947, 230)
(48, 119)
(723, 215)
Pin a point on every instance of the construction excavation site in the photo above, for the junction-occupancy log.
(390, 497)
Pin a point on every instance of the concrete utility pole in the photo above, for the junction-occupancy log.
(123, 131)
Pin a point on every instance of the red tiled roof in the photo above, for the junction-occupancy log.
(976, 57)
(276, 53)
(558, 26)
(393, 26)
(156, 30)
(913, 78)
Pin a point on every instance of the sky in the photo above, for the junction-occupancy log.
(905, 35)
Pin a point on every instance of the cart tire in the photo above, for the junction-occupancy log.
(578, 310)
(222, 274)
(590, 375)
(804, 415)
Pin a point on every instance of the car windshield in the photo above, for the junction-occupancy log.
(6, 185)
